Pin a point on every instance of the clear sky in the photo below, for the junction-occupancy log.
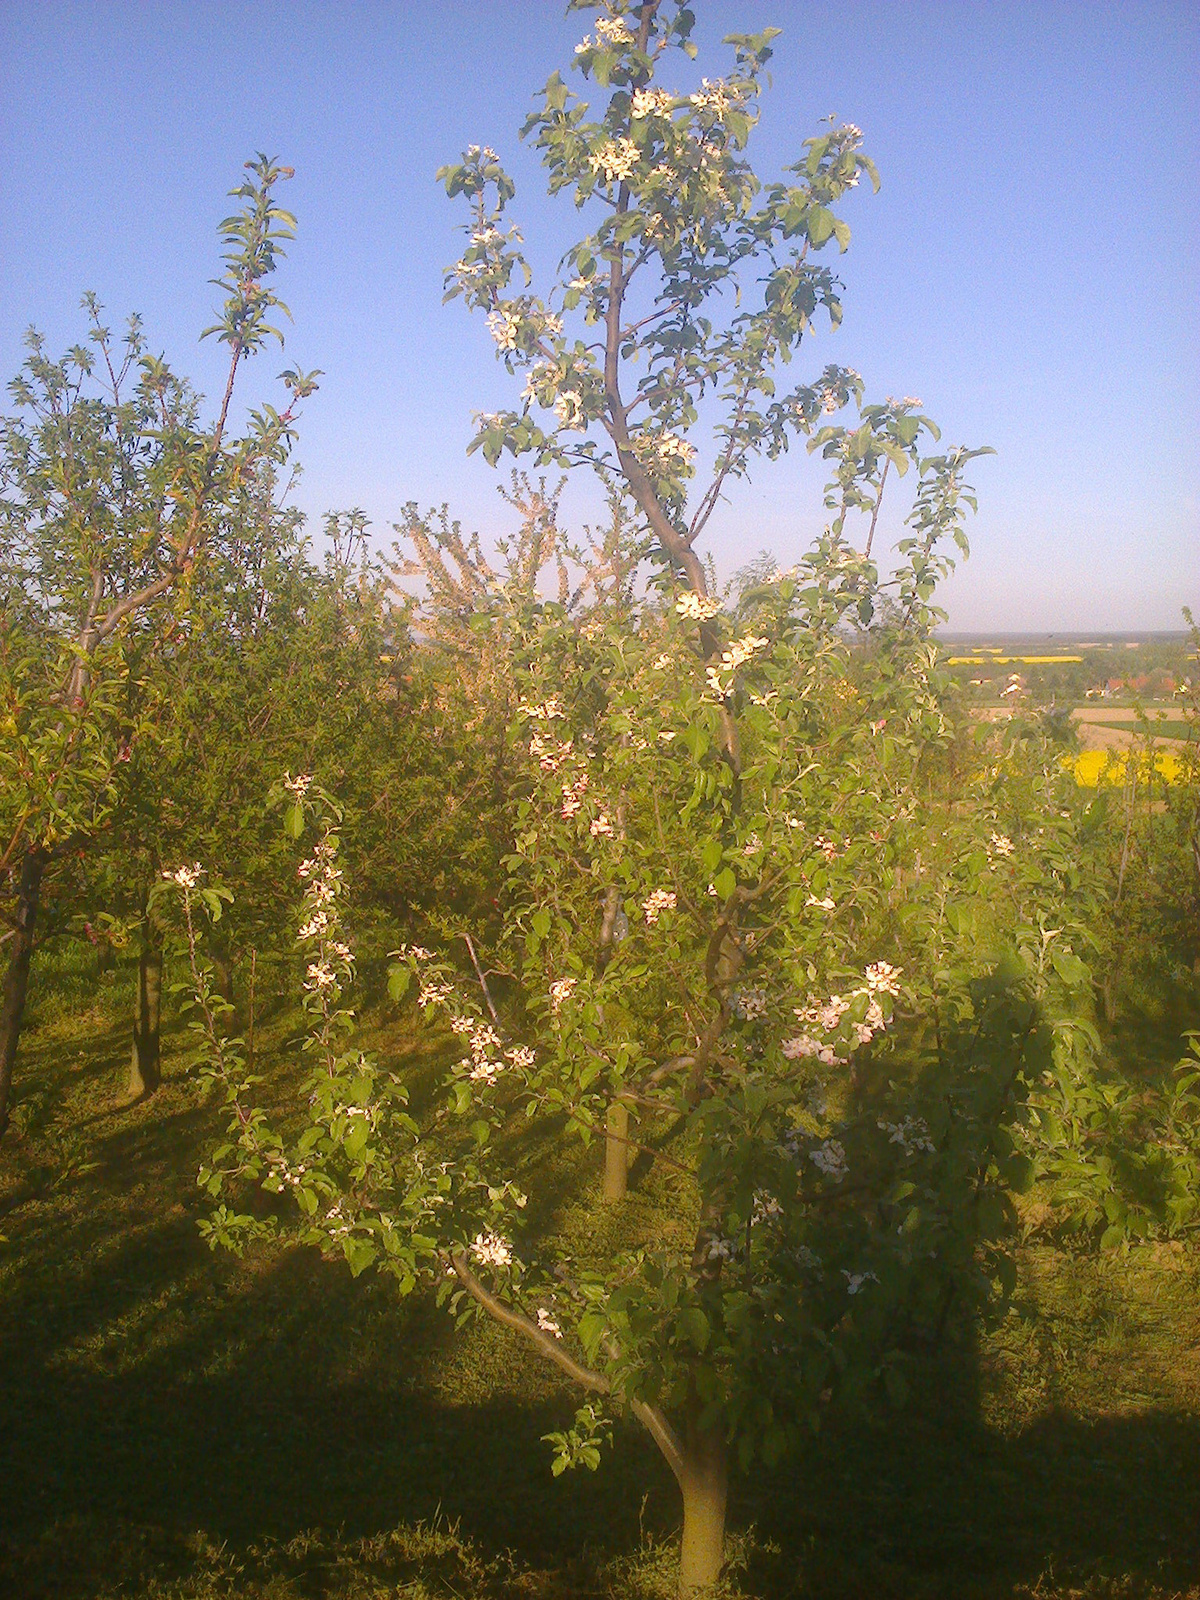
(1029, 268)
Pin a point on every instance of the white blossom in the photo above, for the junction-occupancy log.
(602, 827)
(697, 608)
(568, 408)
(798, 1048)
(561, 991)
(617, 159)
(714, 97)
(883, 978)
(751, 1004)
(830, 1158)
(185, 877)
(491, 1250)
(547, 1323)
(656, 903)
(1001, 845)
(911, 1135)
(504, 324)
(650, 102)
(298, 785)
(614, 30)
(856, 1280)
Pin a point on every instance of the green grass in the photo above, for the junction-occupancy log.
(177, 1424)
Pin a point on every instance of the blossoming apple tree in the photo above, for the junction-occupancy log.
(736, 953)
(110, 488)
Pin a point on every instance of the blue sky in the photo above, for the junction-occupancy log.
(1029, 268)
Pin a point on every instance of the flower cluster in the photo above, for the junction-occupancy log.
(544, 711)
(750, 1004)
(714, 97)
(572, 797)
(697, 608)
(490, 1250)
(561, 991)
(617, 159)
(549, 754)
(650, 103)
(322, 877)
(721, 673)
(826, 1019)
(830, 1158)
(911, 1135)
(185, 877)
(1000, 845)
(855, 1281)
(613, 30)
(656, 903)
(666, 452)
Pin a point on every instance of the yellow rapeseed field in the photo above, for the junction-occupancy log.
(1094, 767)
(991, 660)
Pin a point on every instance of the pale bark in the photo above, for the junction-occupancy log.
(616, 1153)
(704, 1483)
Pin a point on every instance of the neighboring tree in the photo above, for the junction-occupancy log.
(110, 487)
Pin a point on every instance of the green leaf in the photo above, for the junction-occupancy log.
(693, 1326)
(819, 225)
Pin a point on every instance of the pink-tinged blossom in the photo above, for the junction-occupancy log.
(656, 903)
(602, 827)
(799, 1048)
(547, 1323)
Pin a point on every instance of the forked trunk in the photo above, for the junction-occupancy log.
(16, 979)
(704, 1482)
(145, 1062)
(616, 1152)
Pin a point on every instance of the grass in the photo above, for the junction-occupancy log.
(183, 1426)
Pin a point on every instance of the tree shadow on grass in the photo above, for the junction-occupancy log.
(251, 1406)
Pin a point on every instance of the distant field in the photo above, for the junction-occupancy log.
(1096, 767)
(989, 660)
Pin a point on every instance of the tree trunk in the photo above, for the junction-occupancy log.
(616, 1153)
(704, 1480)
(223, 976)
(16, 979)
(145, 1063)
